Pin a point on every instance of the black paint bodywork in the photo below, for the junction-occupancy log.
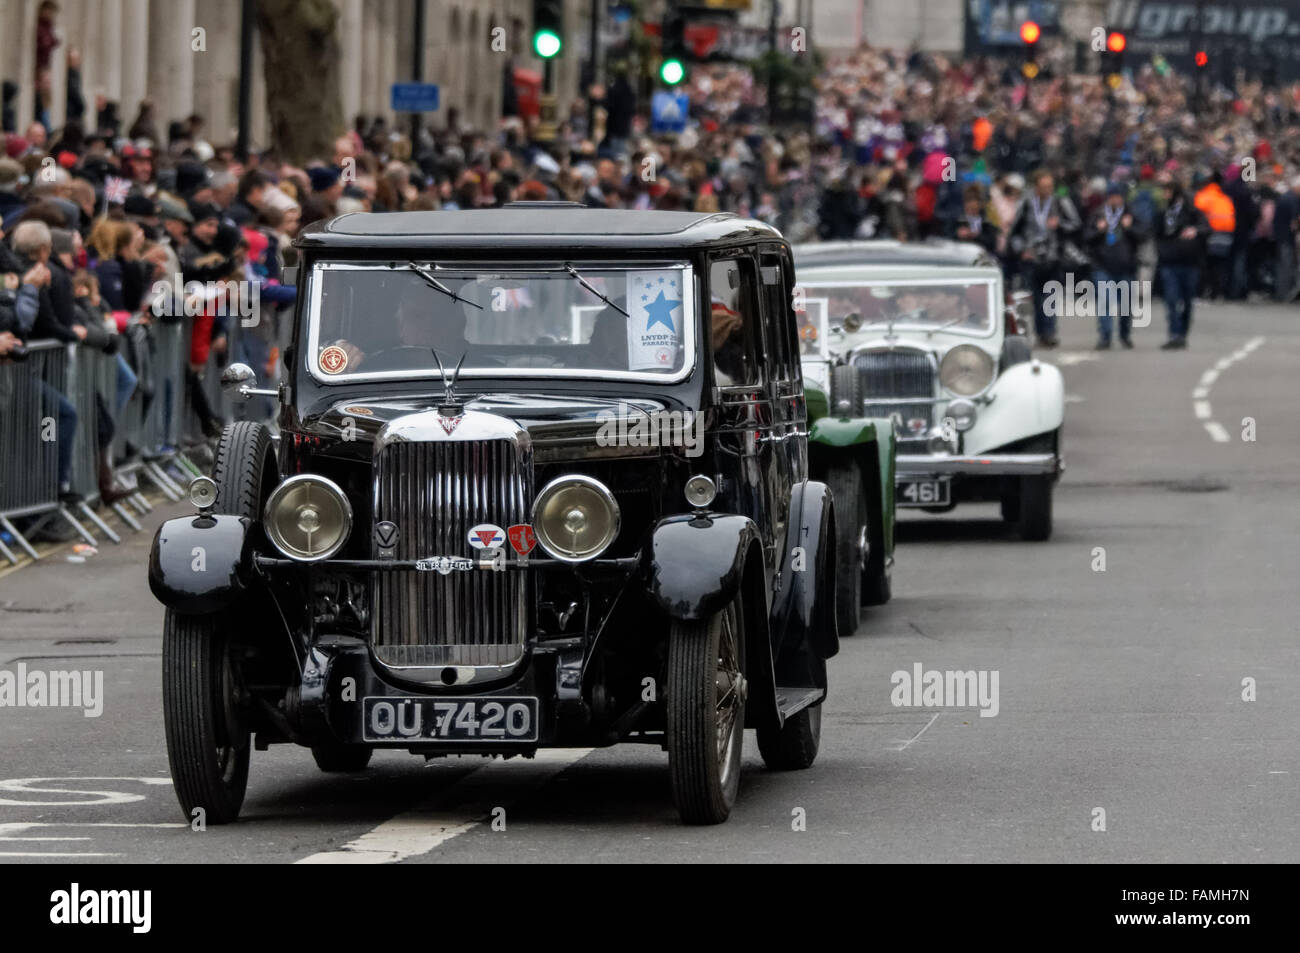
(596, 630)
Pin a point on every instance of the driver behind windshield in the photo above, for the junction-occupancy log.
(943, 305)
(425, 324)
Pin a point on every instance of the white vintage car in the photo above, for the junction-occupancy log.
(924, 334)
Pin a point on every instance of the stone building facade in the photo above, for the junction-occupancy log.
(133, 49)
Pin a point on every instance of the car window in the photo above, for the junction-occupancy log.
(733, 322)
(775, 274)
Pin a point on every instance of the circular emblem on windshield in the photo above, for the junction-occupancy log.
(333, 359)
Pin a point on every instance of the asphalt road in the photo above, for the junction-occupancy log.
(1119, 689)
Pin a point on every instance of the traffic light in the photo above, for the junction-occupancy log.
(1112, 58)
(548, 28)
(1202, 60)
(1029, 34)
(672, 48)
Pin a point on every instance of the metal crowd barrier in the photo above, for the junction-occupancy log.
(156, 437)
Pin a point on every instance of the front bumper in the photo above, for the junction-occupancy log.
(924, 466)
(339, 673)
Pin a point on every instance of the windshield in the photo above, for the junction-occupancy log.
(401, 319)
(961, 306)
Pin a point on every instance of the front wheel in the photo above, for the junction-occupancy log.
(1035, 516)
(207, 737)
(706, 714)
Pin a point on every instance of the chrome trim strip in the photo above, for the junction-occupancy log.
(911, 466)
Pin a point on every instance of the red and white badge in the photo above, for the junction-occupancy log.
(487, 536)
(333, 359)
(522, 538)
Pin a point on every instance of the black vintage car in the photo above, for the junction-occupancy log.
(541, 480)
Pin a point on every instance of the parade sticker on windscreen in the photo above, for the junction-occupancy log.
(655, 316)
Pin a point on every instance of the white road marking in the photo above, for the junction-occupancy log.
(29, 786)
(13, 831)
(1070, 358)
(424, 828)
(908, 743)
(1201, 394)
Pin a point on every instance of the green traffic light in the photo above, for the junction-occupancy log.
(546, 43)
(672, 72)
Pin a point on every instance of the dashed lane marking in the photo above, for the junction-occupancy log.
(1201, 393)
(426, 827)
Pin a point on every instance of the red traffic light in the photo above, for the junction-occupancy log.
(1201, 58)
(1116, 42)
(1029, 32)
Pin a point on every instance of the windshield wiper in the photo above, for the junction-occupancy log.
(573, 272)
(930, 333)
(437, 285)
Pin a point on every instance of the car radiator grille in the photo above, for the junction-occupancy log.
(434, 493)
(897, 374)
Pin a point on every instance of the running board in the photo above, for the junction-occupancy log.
(791, 701)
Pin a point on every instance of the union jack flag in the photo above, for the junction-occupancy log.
(116, 190)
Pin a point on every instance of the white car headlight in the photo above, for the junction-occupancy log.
(966, 370)
(575, 518)
(308, 517)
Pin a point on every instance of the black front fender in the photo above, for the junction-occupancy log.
(697, 563)
(201, 564)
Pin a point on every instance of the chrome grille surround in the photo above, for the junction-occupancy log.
(902, 383)
(435, 485)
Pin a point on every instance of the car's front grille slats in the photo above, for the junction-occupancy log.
(889, 377)
(435, 492)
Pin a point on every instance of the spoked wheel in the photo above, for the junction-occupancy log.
(207, 735)
(336, 756)
(706, 714)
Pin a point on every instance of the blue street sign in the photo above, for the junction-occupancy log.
(414, 97)
(668, 111)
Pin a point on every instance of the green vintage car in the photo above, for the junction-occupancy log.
(855, 457)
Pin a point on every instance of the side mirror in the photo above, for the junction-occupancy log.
(238, 383)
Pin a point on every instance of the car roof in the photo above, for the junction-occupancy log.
(936, 252)
(533, 225)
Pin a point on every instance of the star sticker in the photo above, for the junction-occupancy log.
(660, 311)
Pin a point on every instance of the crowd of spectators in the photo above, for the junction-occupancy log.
(1192, 185)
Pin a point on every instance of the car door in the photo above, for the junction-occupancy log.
(747, 437)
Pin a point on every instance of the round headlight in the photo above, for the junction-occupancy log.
(966, 370)
(575, 518)
(700, 491)
(962, 413)
(308, 517)
(203, 492)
